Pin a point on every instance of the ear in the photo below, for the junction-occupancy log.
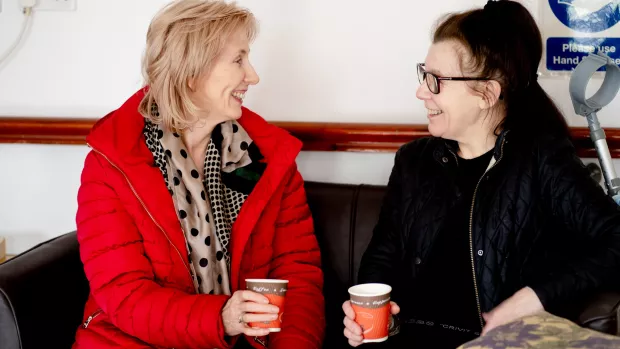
(491, 94)
(192, 83)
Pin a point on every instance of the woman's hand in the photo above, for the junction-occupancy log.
(523, 303)
(352, 330)
(244, 307)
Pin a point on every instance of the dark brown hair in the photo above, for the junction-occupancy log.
(504, 44)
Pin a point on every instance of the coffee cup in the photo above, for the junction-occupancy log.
(275, 291)
(371, 304)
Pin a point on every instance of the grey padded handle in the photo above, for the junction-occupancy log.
(588, 107)
(582, 75)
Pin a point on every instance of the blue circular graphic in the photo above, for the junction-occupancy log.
(573, 14)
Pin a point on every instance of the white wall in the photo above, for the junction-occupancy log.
(319, 60)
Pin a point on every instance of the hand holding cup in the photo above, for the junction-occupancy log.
(275, 291)
(244, 307)
(367, 314)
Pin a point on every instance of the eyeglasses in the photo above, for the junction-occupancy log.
(432, 80)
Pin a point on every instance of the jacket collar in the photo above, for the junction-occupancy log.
(450, 148)
(119, 138)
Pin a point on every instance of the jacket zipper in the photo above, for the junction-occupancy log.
(471, 235)
(455, 157)
(91, 318)
(146, 209)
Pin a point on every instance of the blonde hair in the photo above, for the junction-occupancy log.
(182, 42)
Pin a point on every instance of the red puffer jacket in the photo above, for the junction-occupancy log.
(135, 256)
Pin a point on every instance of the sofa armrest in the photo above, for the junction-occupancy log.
(42, 296)
(602, 313)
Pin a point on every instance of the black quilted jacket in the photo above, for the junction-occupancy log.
(537, 219)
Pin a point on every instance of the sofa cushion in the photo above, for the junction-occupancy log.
(344, 218)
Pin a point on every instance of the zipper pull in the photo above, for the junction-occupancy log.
(261, 342)
(90, 318)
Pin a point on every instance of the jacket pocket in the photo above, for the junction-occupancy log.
(92, 317)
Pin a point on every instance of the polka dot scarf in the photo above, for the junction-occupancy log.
(208, 204)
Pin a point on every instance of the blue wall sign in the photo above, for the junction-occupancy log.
(566, 53)
(587, 16)
(570, 26)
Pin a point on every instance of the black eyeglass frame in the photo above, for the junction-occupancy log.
(423, 74)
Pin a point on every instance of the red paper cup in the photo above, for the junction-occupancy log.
(275, 291)
(371, 303)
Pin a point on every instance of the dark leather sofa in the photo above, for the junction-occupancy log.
(43, 290)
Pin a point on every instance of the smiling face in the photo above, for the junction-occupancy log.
(458, 112)
(221, 91)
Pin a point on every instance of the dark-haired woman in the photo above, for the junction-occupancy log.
(494, 217)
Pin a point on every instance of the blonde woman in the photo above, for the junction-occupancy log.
(186, 193)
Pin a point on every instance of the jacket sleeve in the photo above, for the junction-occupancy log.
(382, 256)
(297, 259)
(582, 206)
(121, 277)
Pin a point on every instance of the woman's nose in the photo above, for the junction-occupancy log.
(423, 92)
